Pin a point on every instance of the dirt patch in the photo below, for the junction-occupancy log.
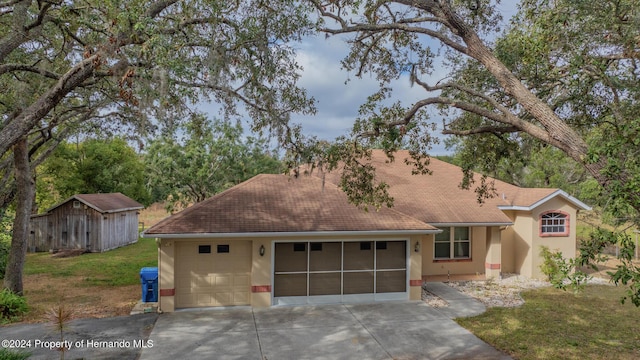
(65, 253)
(44, 292)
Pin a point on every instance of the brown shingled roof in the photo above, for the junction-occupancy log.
(438, 199)
(105, 203)
(279, 203)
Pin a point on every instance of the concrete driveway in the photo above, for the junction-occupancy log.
(390, 330)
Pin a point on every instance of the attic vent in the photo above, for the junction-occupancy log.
(76, 204)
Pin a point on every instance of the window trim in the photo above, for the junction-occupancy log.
(567, 224)
(452, 242)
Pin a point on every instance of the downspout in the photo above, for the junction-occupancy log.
(159, 244)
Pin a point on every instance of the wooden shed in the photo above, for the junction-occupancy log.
(94, 222)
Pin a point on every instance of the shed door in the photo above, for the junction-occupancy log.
(212, 273)
(76, 225)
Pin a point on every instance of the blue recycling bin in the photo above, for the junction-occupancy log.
(149, 280)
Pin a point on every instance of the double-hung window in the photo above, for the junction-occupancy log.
(453, 243)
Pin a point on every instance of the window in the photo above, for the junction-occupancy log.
(76, 204)
(223, 249)
(204, 249)
(315, 246)
(299, 247)
(381, 245)
(554, 223)
(452, 243)
(365, 245)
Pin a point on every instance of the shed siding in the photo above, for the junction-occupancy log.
(82, 227)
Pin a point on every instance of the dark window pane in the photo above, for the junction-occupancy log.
(315, 247)
(442, 250)
(365, 245)
(444, 236)
(381, 245)
(223, 249)
(204, 249)
(299, 247)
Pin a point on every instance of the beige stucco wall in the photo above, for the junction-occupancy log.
(507, 242)
(475, 265)
(565, 244)
(521, 242)
(261, 280)
(166, 253)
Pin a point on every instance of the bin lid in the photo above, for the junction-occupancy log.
(149, 273)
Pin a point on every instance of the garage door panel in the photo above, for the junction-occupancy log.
(393, 256)
(324, 284)
(358, 282)
(290, 257)
(290, 285)
(325, 256)
(391, 281)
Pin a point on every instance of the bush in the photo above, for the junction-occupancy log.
(562, 273)
(12, 306)
(5, 241)
(6, 354)
(4, 256)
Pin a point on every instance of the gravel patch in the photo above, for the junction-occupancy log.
(503, 292)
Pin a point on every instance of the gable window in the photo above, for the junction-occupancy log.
(554, 223)
(453, 243)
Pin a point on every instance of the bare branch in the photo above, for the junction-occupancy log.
(7, 68)
(482, 130)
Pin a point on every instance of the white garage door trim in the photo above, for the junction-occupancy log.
(342, 298)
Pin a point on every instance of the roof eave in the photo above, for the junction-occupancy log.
(507, 223)
(289, 234)
(577, 203)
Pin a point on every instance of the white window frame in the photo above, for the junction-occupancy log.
(554, 223)
(452, 244)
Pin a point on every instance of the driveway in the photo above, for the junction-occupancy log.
(390, 330)
(385, 330)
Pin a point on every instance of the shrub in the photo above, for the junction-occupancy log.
(562, 273)
(6, 354)
(12, 306)
(4, 256)
(5, 242)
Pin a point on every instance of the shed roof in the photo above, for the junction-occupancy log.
(104, 203)
(283, 204)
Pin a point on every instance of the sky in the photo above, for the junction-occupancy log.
(337, 102)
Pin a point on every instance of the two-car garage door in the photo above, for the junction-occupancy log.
(339, 271)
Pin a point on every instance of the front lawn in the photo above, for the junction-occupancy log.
(94, 285)
(553, 324)
(116, 267)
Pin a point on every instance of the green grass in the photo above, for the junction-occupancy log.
(116, 267)
(553, 324)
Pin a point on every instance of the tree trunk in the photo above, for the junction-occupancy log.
(24, 201)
